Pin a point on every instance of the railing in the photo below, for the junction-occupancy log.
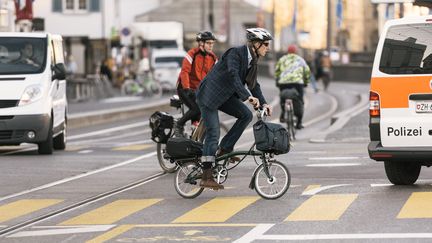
(80, 88)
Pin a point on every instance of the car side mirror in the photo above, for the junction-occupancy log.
(59, 71)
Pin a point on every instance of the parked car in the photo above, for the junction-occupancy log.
(166, 65)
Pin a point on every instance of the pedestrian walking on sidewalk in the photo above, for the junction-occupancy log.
(224, 89)
(196, 64)
(325, 65)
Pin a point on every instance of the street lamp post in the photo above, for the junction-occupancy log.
(329, 25)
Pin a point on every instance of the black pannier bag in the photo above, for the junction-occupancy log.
(162, 125)
(181, 148)
(271, 137)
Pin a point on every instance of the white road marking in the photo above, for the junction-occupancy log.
(85, 151)
(63, 230)
(320, 189)
(308, 152)
(333, 165)
(255, 234)
(332, 158)
(108, 130)
(325, 115)
(381, 185)
(130, 161)
(123, 135)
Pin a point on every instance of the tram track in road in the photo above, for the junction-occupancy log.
(19, 226)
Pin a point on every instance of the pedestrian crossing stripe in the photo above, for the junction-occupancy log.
(23, 207)
(219, 209)
(135, 147)
(322, 207)
(111, 212)
(417, 206)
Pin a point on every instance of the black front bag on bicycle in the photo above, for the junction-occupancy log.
(182, 148)
(162, 125)
(271, 137)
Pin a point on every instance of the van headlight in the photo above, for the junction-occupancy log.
(30, 95)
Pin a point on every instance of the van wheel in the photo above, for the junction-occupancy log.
(60, 140)
(46, 147)
(402, 173)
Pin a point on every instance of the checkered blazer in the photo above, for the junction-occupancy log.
(227, 78)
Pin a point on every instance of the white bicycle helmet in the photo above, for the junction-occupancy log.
(258, 34)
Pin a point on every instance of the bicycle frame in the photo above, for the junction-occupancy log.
(265, 180)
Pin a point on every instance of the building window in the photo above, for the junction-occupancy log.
(82, 5)
(76, 6)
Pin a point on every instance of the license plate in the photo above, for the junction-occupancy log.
(424, 107)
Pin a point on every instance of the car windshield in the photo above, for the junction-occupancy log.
(169, 61)
(20, 55)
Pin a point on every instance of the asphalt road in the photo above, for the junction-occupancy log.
(107, 186)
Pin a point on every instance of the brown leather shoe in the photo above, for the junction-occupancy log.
(221, 152)
(207, 180)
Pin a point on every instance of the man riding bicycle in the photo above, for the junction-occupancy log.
(292, 75)
(196, 64)
(224, 89)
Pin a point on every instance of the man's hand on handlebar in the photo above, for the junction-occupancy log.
(254, 101)
(268, 109)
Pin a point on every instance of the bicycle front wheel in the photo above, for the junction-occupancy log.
(275, 186)
(165, 164)
(186, 180)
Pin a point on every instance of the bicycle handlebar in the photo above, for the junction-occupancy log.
(261, 113)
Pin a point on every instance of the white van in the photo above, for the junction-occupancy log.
(33, 106)
(400, 110)
(166, 65)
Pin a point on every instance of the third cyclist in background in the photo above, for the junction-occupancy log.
(196, 64)
(292, 75)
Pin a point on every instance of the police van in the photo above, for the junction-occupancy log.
(400, 109)
(33, 106)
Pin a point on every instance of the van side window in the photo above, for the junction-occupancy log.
(407, 50)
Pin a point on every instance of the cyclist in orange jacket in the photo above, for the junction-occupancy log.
(196, 64)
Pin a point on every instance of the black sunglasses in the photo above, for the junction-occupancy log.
(266, 43)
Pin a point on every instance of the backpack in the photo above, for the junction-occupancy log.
(182, 148)
(161, 124)
(271, 137)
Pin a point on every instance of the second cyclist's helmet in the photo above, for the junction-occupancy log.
(205, 36)
(258, 34)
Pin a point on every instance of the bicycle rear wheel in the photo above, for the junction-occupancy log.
(186, 180)
(165, 164)
(290, 121)
(275, 186)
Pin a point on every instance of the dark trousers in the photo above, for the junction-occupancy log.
(193, 114)
(297, 98)
(233, 107)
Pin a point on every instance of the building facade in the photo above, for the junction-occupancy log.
(89, 27)
(226, 18)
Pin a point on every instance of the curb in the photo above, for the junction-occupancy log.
(118, 114)
(341, 118)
